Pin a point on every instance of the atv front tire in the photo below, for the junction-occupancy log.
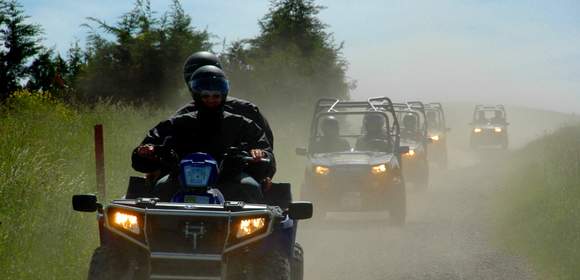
(297, 263)
(398, 205)
(108, 263)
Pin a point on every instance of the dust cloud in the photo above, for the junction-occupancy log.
(448, 229)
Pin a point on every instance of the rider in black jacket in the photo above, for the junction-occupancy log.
(233, 105)
(209, 129)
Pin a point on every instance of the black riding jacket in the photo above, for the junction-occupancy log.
(239, 107)
(211, 133)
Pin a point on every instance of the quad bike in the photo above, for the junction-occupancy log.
(196, 234)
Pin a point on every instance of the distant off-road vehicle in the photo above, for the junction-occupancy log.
(354, 158)
(414, 134)
(195, 234)
(437, 131)
(489, 126)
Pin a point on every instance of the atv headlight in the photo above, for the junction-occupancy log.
(321, 170)
(435, 137)
(411, 153)
(250, 226)
(497, 129)
(379, 169)
(477, 130)
(126, 221)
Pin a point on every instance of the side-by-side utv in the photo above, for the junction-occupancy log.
(437, 131)
(354, 158)
(489, 127)
(414, 134)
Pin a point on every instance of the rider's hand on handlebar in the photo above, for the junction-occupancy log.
(257, 154)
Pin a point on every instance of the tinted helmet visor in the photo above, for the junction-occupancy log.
(211, 84)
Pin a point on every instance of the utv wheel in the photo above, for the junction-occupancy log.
(504, 144)
(398, 205)
(422, 180)
(297, 263)
(472, 144)
(108, 263)
(443, 163)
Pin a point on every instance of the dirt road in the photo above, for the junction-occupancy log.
(447, 236)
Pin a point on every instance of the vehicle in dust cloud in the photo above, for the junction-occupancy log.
(196, 234)
(354, 159)
(414, 134)
(437, 131)
(489, 127)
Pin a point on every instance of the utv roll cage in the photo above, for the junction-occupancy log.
(436, 106)
(416, 107)
(481, 107)
(374, 105)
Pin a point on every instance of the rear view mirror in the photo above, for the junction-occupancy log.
(85, 202)
(301, 151)
(300, 210)
(404, 149)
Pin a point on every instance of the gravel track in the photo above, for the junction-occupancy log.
(447, 236)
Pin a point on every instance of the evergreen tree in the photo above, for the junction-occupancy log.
(19, 42)
(293, 61)
(143, 62)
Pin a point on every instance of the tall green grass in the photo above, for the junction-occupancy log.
(539, 213)
(46, 156)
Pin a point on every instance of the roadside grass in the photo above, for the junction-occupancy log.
(46, 156)
(539, 210)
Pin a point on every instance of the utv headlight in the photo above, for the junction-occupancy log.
(250, 226)
(321, 170)
(477, 130)
(379, 169)
(125, 221)
(497, 129)
(435, 137)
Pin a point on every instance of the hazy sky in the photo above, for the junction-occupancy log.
(521, 52)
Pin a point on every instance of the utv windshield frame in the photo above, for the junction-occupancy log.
(376, 105)
(417, 108)
(480, 107)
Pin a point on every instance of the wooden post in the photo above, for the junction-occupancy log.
(100, 161)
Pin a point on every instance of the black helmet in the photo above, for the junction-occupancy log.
(197, 60)
(410, 121)
(373, 123)
(329, 126)
(208, 78)
(431, 115)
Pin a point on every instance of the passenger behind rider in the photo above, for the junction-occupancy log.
(409, 129)
(210, 130)
(330, 140)
(498, 118)
(375, 137)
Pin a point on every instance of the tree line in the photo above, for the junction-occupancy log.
(293, 60)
